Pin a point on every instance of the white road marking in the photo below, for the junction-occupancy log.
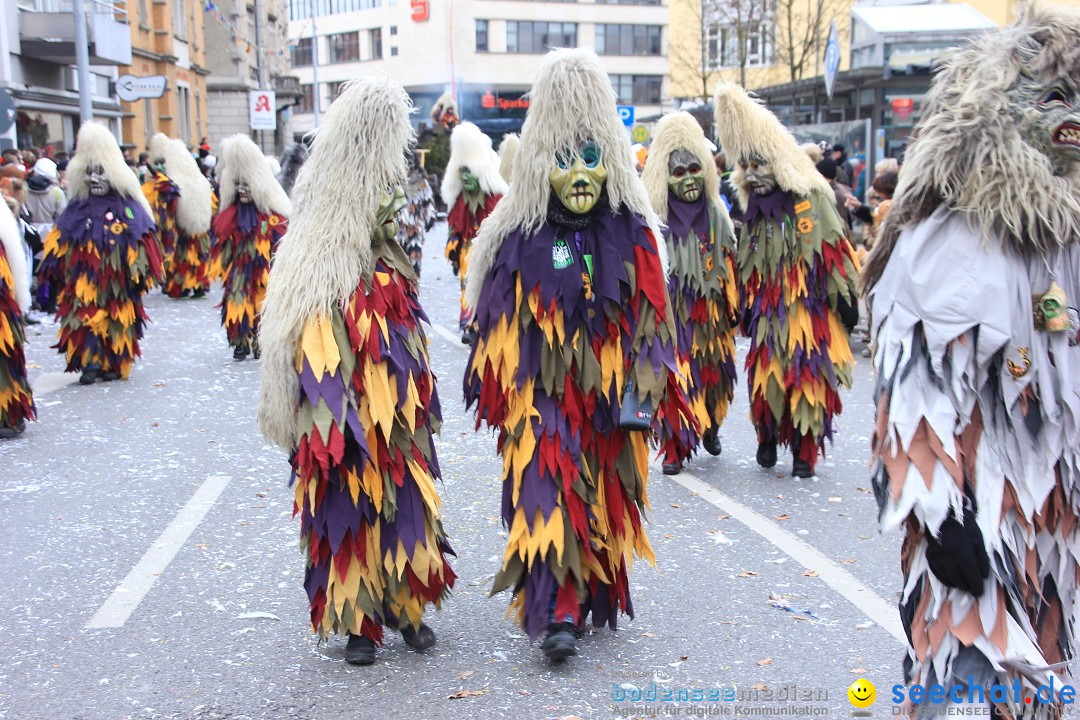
(851, 588)
(48, 382)
(132, 589)
(452, 338)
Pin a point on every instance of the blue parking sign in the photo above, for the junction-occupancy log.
(626, 114)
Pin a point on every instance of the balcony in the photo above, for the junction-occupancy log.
(47, 31)
(287, 90)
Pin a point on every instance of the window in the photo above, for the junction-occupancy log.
(144, 16)
(344, 47)
(334, 88)
(628, 39)
(198, 115)
(180, 19)
(539, 37)
(375, 41)
(301, 53)
(183, 113)
(393, 30)
(252, 30)
(393, 52)
(723, 46)
(637, 89)
(253, 72)
(301, 9)
(481, 36)
(307, 100)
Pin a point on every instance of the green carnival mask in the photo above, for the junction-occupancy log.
(686, 177)
(759, 174)
(469, 182)
(578, 177)
(386, 225)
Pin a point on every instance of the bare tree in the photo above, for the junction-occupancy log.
(726, 31)
(800, 30)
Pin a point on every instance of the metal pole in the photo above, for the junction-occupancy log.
(261, 66)
(315, 64)
(82, 63)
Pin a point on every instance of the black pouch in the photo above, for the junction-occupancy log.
(634, 415)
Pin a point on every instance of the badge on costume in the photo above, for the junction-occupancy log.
(1051, 310)
(561, 257)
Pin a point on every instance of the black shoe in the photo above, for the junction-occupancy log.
(801, 469)
(6, 433)
(240, 353)
(468, 336)
(200, 293)
(185, 293)
(559, 643)
(711, 440)
(672, 468)
(421, 639)
(255, 351)
(109, 375)
(359, 650)
(90, 375)
(766, 454)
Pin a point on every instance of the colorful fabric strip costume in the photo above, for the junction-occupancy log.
(973, 286)
(347, 386)
(16, 397)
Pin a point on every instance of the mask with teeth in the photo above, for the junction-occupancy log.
(686, 177)
(96, 181)
(385, 217)
(243, 192)
(759, 174)
(578, 177)
(470, 184)
(1047, 115)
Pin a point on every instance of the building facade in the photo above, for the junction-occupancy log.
(167, 40)
(247, 50)
(485, 51)
(37, 68)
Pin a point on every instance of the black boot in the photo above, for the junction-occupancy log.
(240, 352)
(468, 336)
(359, 650)
(185, 293)
(90, 375)
(6, 432)
(801, 469)
(198, 293)
(711, 440)
(766, 454)
(672, 468)
(421, 639)
(559, 643)
(109, 375)
(255, 352)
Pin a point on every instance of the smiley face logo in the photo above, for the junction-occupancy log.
(862, 693)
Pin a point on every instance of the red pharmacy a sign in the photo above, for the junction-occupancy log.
(419, 10)
(902, 107)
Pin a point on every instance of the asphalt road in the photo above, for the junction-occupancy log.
(149, 564)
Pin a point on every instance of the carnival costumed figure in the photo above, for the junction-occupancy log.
(347, 389)
(188, 273)
(471, 187)
(16, 398)
(798, 278)
(575, 344)
(104, 249)
(162, 194)
(973, 288)
(417, 216)
(507, 147)
(683, 187)
(444, 113)
(253, 217)
(292, 160)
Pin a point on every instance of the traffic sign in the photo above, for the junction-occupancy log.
(263, 105)
(130, 88)
(626, 114)
(832, 60)
(7, 111)
(640, 133)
